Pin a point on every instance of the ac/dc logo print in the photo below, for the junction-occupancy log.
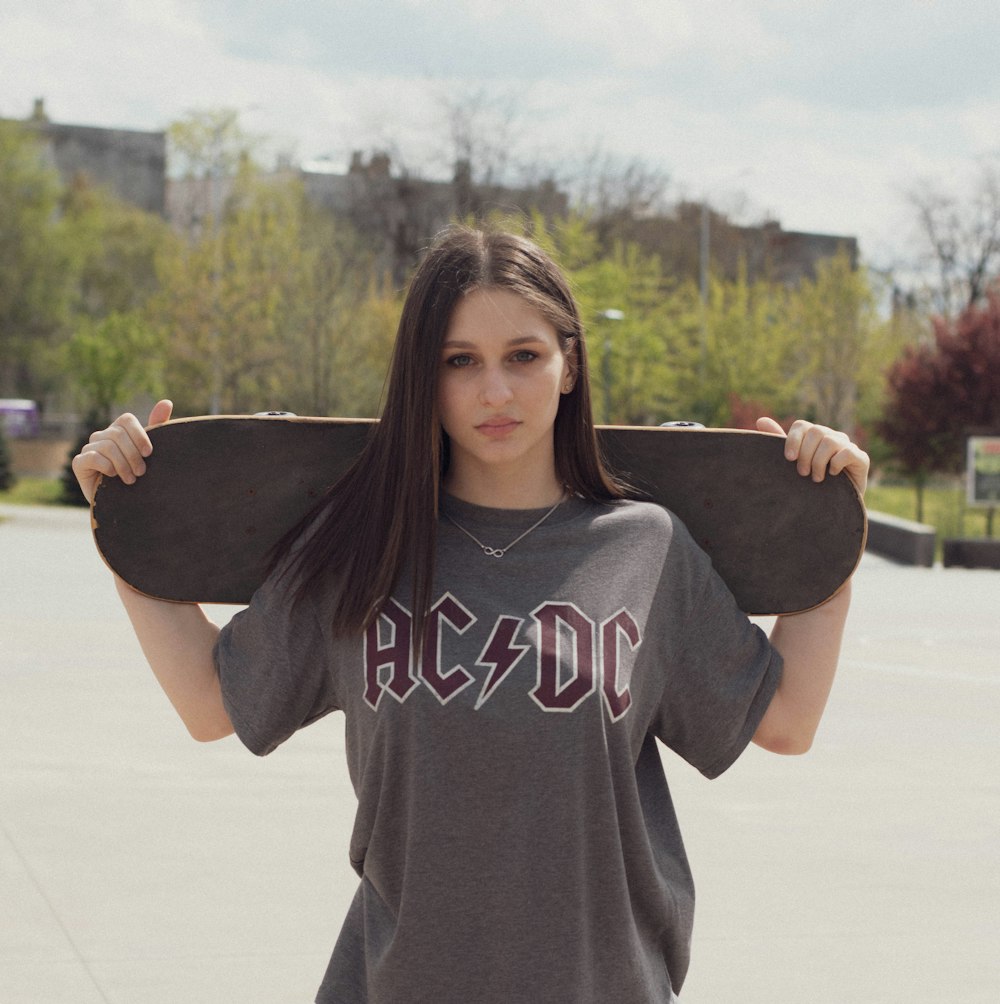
(575, 656)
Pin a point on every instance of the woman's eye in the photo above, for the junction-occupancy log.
(525, 356)
(459, 361)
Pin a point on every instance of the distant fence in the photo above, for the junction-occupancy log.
(39, 458)
(39, 445)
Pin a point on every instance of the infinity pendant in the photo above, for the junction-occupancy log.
(499, 552)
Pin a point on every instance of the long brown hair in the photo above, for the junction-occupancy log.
(382, 515)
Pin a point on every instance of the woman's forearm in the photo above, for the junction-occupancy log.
(178, 641)
(810, 647)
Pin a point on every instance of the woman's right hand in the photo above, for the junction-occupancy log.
(120, 450)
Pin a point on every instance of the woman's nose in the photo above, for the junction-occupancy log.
(495, 389)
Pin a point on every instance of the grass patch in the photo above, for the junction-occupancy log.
(33, 491)
(945, 508)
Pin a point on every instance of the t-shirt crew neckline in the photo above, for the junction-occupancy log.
(488, 517)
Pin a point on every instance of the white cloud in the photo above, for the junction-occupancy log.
(629, 35)
(980, 122)
(636, 34)
(819, 112)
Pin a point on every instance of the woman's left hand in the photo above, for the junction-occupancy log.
(817, 450)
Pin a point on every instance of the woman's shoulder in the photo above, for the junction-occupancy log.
(630, 515)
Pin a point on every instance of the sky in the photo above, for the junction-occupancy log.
(819, 114)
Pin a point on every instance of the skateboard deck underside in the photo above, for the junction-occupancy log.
(219, 492)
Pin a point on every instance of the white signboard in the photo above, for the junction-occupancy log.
(983, 471)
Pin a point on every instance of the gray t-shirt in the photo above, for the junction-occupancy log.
(515, 835)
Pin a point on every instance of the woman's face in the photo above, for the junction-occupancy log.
(503, 372)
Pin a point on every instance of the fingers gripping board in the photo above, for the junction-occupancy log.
(781, 542)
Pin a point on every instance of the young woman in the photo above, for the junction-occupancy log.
(507, 636)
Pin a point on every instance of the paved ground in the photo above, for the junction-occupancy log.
(137, 867)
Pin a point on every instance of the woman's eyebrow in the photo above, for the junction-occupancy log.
(453, 343)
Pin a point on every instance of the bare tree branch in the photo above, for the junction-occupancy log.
(960, 233)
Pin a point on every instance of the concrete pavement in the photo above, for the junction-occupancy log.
(137, 867)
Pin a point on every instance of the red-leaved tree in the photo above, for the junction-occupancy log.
(938, 393)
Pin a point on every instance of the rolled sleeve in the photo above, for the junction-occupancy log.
(720, 678)
(274, 665)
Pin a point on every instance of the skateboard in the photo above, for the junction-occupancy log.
(219, 491)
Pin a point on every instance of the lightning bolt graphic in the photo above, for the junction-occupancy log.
(501, 654)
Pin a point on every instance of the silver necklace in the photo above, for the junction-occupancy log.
(499, 552)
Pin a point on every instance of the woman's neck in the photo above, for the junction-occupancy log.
(505, 492)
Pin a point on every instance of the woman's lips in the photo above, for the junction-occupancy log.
(497, 428)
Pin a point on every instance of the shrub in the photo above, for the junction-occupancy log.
(71, 493)
(7, 478)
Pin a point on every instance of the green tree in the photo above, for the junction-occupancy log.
(206, 150)
(843, 346)
(273, 307)
(7, 479)
(70, 491)
(335, 284)
(209, 141)
(67, 258)
(110, 360)
(622, 300)
(734, 345)
(225, 302)
(35, 277)
(363, 357)
(113, 248)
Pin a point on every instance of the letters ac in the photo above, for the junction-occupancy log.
(575, 656)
